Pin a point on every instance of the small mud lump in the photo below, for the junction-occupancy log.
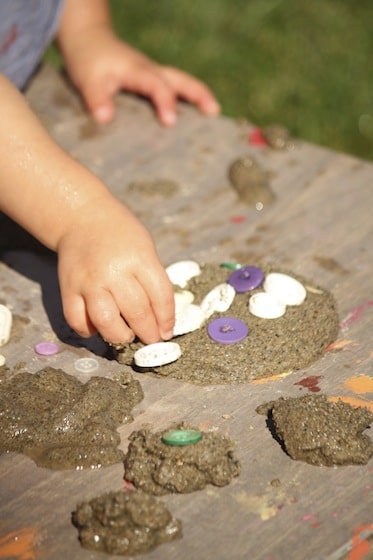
(158, 468)
(278, 137)
(61, 423)
(320, 432)
(124, 523)
(250, 181)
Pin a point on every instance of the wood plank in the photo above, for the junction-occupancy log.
(320, 226)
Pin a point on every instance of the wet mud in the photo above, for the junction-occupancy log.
(319, 432)
(62, 423)
(163, 187)
(278, 137)
(125, 523)
(250, 182)
(273, 346)
(158, 468)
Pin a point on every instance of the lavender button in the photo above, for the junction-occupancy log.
(227, 330)
(246, 278)
(46, 348)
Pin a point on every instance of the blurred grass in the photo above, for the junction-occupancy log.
(305, 64)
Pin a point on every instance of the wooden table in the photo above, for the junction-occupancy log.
(320, 226)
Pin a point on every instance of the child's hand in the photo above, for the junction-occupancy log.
(111, 279)
(100, 65)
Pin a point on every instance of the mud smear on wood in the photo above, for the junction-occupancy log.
(273, 346)
(163, 187)
(158, 468)
(320, 432)
(62, 423)
(331, 265)
(250, 182)
(125, 523)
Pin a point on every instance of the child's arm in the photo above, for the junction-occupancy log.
(100, 65)
(110, 277)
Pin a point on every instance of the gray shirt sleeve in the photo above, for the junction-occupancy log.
(27, 27)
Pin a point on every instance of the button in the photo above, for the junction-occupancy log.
(181, 437)
(246, 278)
(183, 298)
(181, 272)
(2, 360)
(157, 354)
(231, 266)
(266, 306)
(5, 324)
(188, 318)
(86, 365)
(218, 299)
(227, 330)
(46, 348)
(285, 288)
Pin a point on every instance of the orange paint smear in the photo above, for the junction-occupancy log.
(339, 344)
(360, 384)
(272, 378)
(360, 547)
(19, 545)
(353, 401)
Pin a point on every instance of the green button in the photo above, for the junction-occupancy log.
(231, 266)
(181, 437)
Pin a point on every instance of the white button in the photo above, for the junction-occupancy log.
(183, 298)
(189, 318)
(5, 324)
(157, 354)
(285, 288)
(266, 306)
(218, 299)
(181, 272)
(86, 365)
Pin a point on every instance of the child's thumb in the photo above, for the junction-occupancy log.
(100, 105)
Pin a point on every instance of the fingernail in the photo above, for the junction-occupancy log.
(168, 118)
(168, 335)
(212, 108)
(102, 114)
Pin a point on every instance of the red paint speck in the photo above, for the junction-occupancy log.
(237, 219)
(311, 383)
(128, 486)
(309, 517)
(256, 138)
(354, 315)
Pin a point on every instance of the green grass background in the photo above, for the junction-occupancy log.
(307, 64)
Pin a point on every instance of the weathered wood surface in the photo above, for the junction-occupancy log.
(320, 226)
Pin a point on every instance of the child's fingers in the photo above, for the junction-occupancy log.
(76, 315)
(191, 89)
(149, 82)
(105, 316)
(98, 98)
(161, 295)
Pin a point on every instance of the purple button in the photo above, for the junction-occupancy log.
(227, 330)
(46, 348)
(246, 278)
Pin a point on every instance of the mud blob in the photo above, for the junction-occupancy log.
(250, 182)
(274, 346)
(278, 137)
(163, 187)
(158, 468)
(62, 423)
(125, 523)
(320, 432)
